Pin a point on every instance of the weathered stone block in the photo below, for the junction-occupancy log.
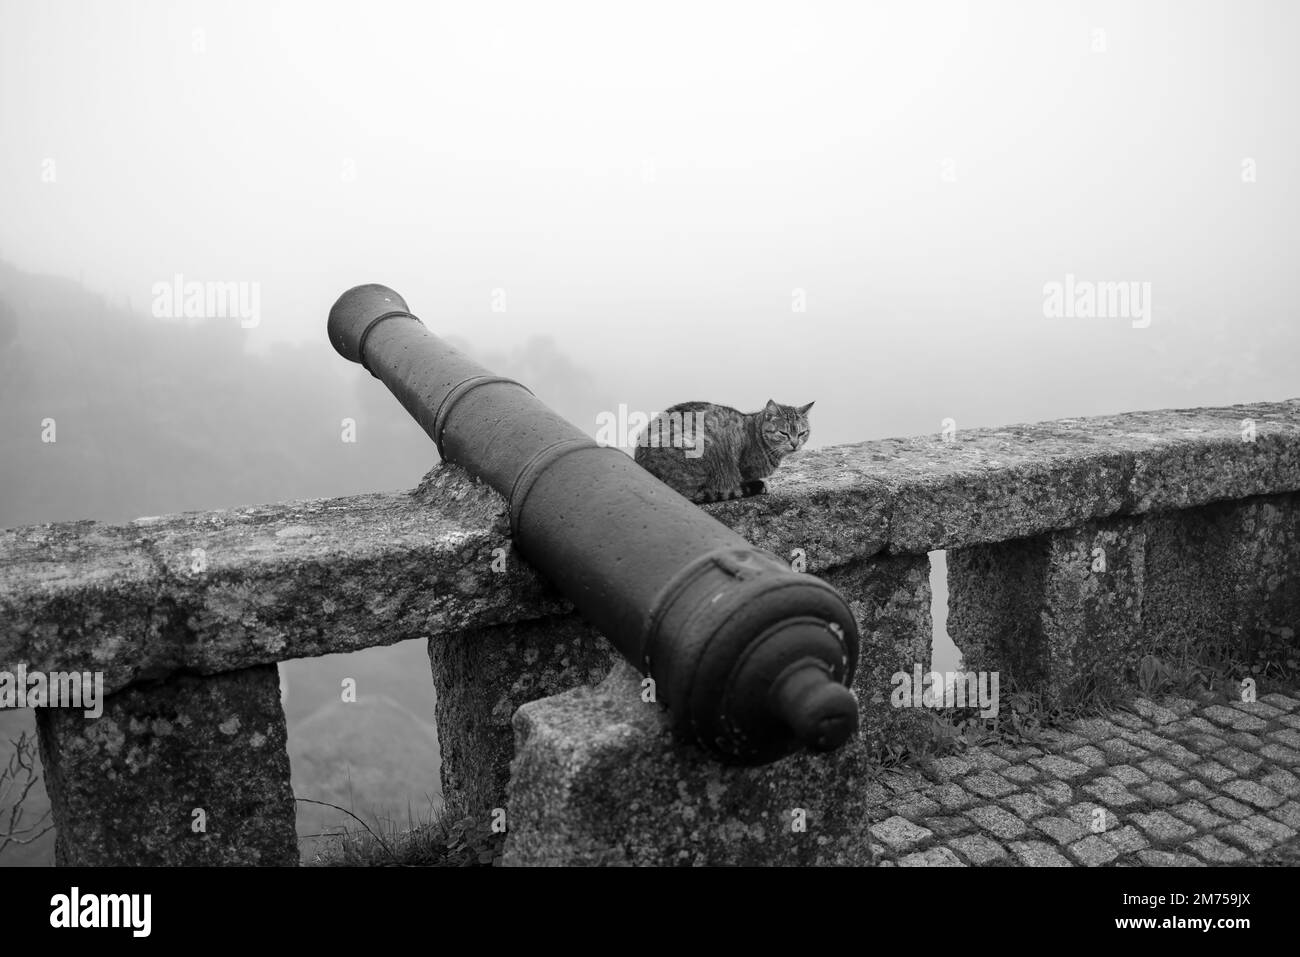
(1058, 613)
(1224, 576)
(890, 599)
(598, 779)
(482, 676)
(192, 771)
(1091, 623)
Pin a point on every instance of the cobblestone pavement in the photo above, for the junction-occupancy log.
(1176, 782)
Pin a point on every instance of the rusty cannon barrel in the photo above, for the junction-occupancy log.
(751, 658)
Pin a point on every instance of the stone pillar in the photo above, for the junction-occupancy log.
(191, 771)
(890, 598)
(1091, 615)
(1058, 614)
(1225, 577)
(482, 676)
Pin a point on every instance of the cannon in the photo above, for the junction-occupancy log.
(751, 658)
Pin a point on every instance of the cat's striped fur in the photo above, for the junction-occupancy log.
(738, 449)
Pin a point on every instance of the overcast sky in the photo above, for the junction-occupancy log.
(660, 187)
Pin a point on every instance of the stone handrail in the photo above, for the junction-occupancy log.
(208, 602)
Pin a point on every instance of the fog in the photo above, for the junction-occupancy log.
(868, 206)
(650, 185)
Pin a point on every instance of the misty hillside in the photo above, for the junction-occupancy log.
(155, 416)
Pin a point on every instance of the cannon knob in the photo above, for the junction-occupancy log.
(820, 711)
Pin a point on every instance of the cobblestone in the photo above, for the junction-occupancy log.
(1092, 851)
(1266, 825)
(1179, 755)
(1260, 709)
(913, 805)
(1281, 754)
(1059, 767)
(1120, 749)
(978, 849)
(1020, 773)
(1126, 839)
(1161, 770)
(1060, 829)
(1214, 850)
(1234, 719)
(1154, 712)
(1288, 814)
(1038, 854)
(1226, 805)
(1196, 813)
(1248, 838)
(1154, 858)
(952, 797)
(1027, 806)
(1111, 792)
(987, 784)
(1281, 702)
(1174, 783)
(1240, 761)
(1089, 755)
(1283, 782)
(1157, 792)
(1213, 772)
(934, 857)
(898, 833)
(1163, 827)
(997, 821)
(1250, 792)
(1128, 775)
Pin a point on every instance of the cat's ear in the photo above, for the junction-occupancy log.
(772, 408)
(803, 409)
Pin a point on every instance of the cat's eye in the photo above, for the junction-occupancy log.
(803, 434)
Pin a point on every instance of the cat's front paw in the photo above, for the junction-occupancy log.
(754, 487)
(718, 495)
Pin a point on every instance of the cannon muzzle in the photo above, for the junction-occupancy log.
(751, 658)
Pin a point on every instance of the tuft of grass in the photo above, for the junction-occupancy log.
(441, 839)
(919, 735)
(1272, 660)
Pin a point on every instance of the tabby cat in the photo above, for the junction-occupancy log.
(710, 453)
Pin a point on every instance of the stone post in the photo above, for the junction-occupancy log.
(482, 676)
(190, 771)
